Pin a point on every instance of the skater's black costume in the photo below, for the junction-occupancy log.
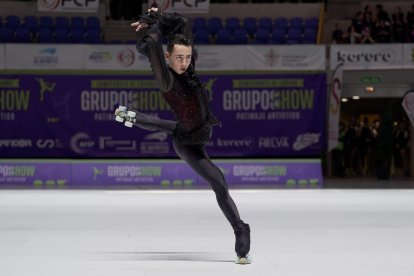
(193, 129)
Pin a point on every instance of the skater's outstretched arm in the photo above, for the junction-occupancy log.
(149, 44)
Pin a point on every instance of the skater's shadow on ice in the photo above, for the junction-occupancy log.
(175, 256)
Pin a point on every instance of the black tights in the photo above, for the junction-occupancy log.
(197, 158)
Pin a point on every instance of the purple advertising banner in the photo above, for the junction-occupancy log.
(163, 173)
(71, 115)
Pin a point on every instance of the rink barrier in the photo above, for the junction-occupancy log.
(156, 173)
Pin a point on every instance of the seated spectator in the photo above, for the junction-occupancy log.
(383, 32)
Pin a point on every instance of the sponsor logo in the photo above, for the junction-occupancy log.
(274, 142)
(259, 170)
(246, 142)
(271, 57)
(49, 4)
(97, 172)
(15, 143)
(158, 145)
(17, 171)
(118, 145)
(45, 87)
(100, 57)
(49, 143)
(125, 57)
(159, 136)
(81, 142)
(45, 57)
(306, 140)
(386, 55)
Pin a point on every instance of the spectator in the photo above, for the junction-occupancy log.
(398, 26)
(366, 37)
(357, 27)
(381, 14)
(410, 18)
(337, 35)
(383, 32)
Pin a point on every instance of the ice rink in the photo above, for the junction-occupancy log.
(322, 232)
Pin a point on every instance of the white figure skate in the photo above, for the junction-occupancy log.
(244, 260)
(123, 115)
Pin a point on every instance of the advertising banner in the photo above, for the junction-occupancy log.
(182, 6)
(2, 56)
(44, 56)
(408, 58)
(364, 56)
(68, 5)
(53, 115)
(160, 173)
(115, 57)
(335, 107)
(292, 57)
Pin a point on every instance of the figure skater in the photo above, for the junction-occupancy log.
(175, 76)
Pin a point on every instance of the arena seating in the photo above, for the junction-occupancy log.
(213, 30)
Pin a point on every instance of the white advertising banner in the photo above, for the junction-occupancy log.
(183, 6)
(334, 107)
(44, 56)
(2, 56)
(364, 56)
(292, 57)
(408, 55)
(220, 57)
(115, 57)
(90, 6)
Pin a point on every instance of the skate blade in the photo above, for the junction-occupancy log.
(244, 260)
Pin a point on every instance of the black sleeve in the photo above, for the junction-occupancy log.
(149, 44)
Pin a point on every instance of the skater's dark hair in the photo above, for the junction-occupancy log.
(179, 39)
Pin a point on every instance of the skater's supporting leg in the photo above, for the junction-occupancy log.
(198, 159)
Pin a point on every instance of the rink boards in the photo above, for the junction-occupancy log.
(156, 173)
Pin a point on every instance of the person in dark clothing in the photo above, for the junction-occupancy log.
(184, 93)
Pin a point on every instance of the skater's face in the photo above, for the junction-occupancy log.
(179, 59)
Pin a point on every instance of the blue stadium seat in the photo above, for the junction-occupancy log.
(296, 23)
(281, 23)
(240, 36)
(311, 23)
(93, 22)
(214, 25)
(30, 22)
(46, 22)
(13, 22)
(45, 35)
(278, 36)
(6, 34)
(232, 23)
(250, 25)
(22, 35)
(76, 36)
(265, 23)
(131, 42)
(202, 36)
(309, 36)
(199, 23)
(116, 41)
(224, 36)
(262, 36)
(61, 22)
(62, 35)
(77, 22)
(93, 36)
(294, 36)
